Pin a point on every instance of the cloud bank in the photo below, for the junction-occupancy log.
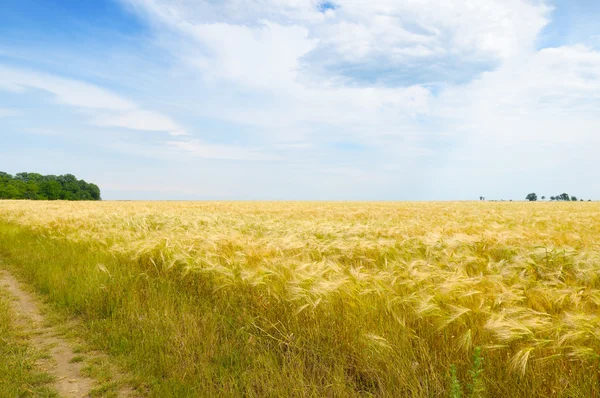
(345, 99)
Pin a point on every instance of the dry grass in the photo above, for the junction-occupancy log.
(327, 298)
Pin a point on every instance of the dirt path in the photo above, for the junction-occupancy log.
(69, 380)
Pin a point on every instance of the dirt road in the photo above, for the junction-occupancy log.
(62, 361)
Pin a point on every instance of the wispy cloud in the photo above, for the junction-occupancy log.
(139, 120)
(229, 152)
(65, 91)
(110, 109)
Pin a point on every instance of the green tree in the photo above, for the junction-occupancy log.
(532, 197)
(51, 189)
(17, 187)
(94, 191)
(31, 190)
(35, 186)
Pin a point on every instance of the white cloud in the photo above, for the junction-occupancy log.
(425, 41)
(139, 120)
(179, 133)
(85, 96)
(265, 56)
(535, 97)
(369, 36)
(265, 61)
(203, 150)
(299, 67)
(66, 91)
(534, 121)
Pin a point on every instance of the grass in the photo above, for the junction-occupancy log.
(19, 376)
(325, 299)
(77, 358)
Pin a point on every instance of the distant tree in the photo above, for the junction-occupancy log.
(564, 196)
(552, 198)
(543, 198)
(35, 186)
(532, 197)
(573, 198)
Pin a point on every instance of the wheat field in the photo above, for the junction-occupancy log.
(325, 299)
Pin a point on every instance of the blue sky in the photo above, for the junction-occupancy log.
(304, 99)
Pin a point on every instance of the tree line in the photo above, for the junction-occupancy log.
(563, 197)
(35, 186)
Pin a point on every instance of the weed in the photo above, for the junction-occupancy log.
(455, 388)
(476, 387)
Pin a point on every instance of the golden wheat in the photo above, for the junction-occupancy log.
(520, 280)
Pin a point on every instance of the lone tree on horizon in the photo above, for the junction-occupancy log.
(532, 197)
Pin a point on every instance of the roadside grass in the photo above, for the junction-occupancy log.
(19, 376)
(170, 333)
(288, 302)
